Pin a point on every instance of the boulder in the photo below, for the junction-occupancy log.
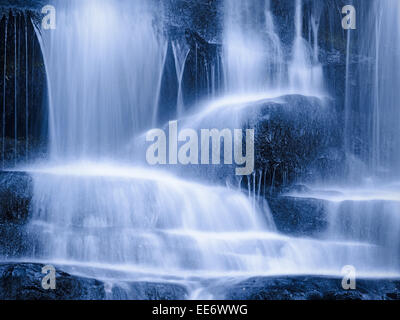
(15, 197)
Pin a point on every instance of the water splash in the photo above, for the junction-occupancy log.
(114, 214)
(364, 215)
(380, 95)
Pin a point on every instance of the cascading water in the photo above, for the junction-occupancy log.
(16, 131)
(369, 212)
(384, 155)
(103, 62)
(93, 212)
(102, 76)
(253, 57)
(304, 73)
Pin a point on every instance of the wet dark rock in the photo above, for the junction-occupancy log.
(201, 16)
(23, 282)
(196, 25)
(25, 105)
(14, 241)
(15, 196)
(199, 23)
(289, 147)
(298, 216)
(312, 288)
(22, 5)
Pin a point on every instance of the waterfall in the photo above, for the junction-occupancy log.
(378, 143)
(102, 79)
(315, 24)
(97, 106)
(4, 92)
(347, 101)
(107, 217)
(305, 74)
(370, 221)
(164, 51)
(16, 52)
(97, 210)
(253, 58)
(367, 216)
